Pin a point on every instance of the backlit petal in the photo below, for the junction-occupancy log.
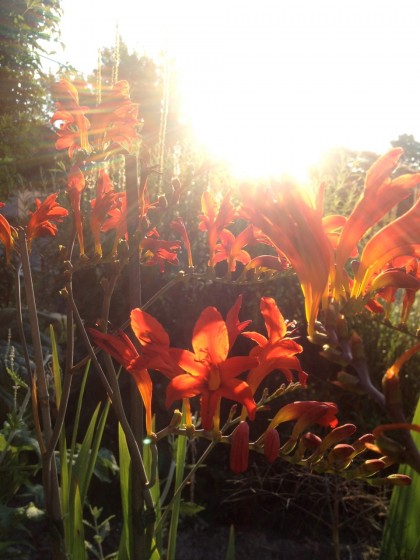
(147, 329)
(184, 386)
(210, 337)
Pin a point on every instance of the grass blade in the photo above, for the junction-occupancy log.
(401, 539)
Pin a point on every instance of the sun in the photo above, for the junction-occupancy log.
(259, 130)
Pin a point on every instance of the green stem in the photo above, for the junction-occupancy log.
(49, 470)
(114, 395)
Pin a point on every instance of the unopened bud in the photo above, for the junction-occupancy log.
(359, 444)
(239, 450)
(176, 419)
(309, 441)
(391, 389)
(340, 457)
(271, 445)
(371, 467)
(357, 348)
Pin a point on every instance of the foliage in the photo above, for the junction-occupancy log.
(401, 533)
(27, 30)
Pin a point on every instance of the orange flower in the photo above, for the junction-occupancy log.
(6, 234)
(121, 348)
(105, 201)
(311, 412)
(285, 215)
(214, 221)
(117, 219)
(179, 227)
(400, 238)
(380, 195)
(230, 248)
(210, 373)
(276, 351)
(73, 129)
(75, 186)
(41, 222)
(114, 121)
(159, 251)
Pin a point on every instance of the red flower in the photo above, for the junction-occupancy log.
(294, 226)
(214, 221)
(239, 449)
(75, 186)
(117, 219)
(114, 121)
(307, 413)
(179, 227)
(105, 201)
(210, 373)
(159, 251)
(73, 129)
(276, 351)
(400, 238)
(121, 348)
(230, 248)
(43, 220)
(6, 234)
(380, 195)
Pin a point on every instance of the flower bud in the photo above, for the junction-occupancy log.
(271, 445)
(340, 457)
(239, 450)
(371, 467)
(309, 441)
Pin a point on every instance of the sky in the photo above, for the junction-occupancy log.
(270, 85)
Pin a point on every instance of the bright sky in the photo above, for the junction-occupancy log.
(270, 84)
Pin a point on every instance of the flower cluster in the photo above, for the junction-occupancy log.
(208, 371)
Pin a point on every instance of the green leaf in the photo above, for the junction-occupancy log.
(55, 367)
(106, 465)
(124, 549)
(230, 553)
(181, 452)
(401, 540)
(190, 508)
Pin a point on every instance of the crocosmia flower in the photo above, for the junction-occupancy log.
(106, 200)
(214, 219)
(44, 219)
(276, 351)
(289, 219)
(6, 234)
(75, 185)
(73, 125)
(210, 373)
(121, 348)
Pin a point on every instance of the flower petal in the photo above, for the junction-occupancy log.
(210, 337)
(147, 329)
(144, 385)
(184, 386)
(239, 391)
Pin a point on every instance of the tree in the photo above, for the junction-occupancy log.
(29, 29)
